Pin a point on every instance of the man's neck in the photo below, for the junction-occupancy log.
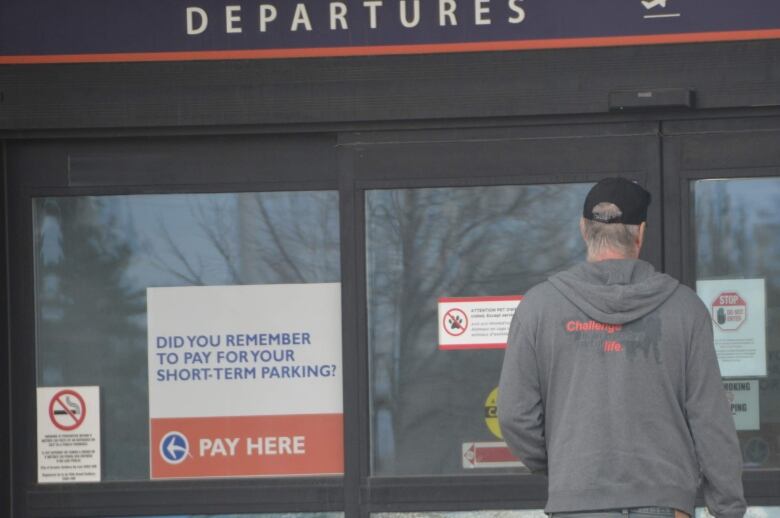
(608, 255)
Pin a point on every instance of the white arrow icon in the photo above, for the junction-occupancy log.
(649, 4)
(174, 447)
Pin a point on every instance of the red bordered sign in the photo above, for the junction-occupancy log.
(455, 322)
(475, 322)
(729, 310)
(67, 410)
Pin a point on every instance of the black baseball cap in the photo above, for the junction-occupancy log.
(628, 196)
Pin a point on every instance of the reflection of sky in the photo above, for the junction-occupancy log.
(148, 218)
(722, 206)
(758, 195)
(210, 239)
(223, 239)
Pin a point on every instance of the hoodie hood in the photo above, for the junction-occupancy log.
(615, 291)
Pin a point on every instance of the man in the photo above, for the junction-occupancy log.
(610, 383)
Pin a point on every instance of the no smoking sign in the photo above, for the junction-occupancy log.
(68, 434)
(67, 410)
(729, 310)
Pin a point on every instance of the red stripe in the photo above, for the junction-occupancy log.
(496, 298)
(433, 48)
(472, 346)
(494, 454)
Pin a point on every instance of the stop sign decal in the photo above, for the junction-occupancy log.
(729, 310)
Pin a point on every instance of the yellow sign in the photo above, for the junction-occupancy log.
(491, 413)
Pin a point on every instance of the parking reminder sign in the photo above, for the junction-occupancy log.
(245, 380)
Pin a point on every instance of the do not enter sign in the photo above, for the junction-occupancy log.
(729, 310)
(740, 342)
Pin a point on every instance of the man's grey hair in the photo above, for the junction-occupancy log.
(600, 237)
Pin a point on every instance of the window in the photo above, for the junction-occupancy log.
(425, 244)
(736, 227)
(96, 255)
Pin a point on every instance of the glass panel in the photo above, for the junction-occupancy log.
(752, 512)
(737, 231)
(525, 513)
(95, 256)
(253, 515)
(425, 244)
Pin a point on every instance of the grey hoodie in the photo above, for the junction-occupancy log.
(611, 387)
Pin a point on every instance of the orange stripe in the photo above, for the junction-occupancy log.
(434, 48)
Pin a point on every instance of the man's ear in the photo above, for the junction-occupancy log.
(582, 227)
(640, 240)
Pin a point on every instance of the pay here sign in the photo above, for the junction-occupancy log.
(245, 380)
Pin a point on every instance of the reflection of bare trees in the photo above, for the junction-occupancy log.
(183, 269)
(178, 254)
(287, 237)
(737, 224)
(296, 237)
(87, 330)
(95, 256)
(423, 244)
(722, 234)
